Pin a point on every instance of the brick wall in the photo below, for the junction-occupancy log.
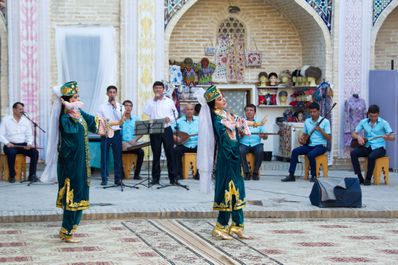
(386, 46)
(85, 13)
(274, 35)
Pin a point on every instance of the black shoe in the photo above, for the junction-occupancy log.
(367, 182)
(104, 183)
(312, 179)
(155, 182)
(361, 179)
(256, 176)
(11, 180)
(247, 176)
(137, 177)
(33, 178)
(288, 178)
(196, 176)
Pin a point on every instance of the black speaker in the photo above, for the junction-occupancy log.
(347, 193)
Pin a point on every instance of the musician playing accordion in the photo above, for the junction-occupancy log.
(185, 136)
(314, 140)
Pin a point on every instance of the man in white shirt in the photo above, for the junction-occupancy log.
(162, 107)
(111, 110)
(16, 135)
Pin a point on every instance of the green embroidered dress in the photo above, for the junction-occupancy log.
(74, 162)
(229, 187)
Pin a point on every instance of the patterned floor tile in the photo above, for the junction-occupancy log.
(275, 241)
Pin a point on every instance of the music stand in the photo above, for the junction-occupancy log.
(154, 126)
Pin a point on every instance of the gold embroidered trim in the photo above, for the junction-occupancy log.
(97, 123)
(227, 204)
(86, 148)
(63, 234)
(221, 227)
(69, 204)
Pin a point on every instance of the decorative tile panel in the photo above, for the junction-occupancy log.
(378, 8)
(324, 9)
(171, 7)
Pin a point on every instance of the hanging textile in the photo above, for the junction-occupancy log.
(354, 112)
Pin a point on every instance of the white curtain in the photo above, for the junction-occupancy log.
(87, 55)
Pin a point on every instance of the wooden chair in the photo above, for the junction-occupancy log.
(128, 160)
(321, 161)
(188, 163)
(381, 167)
(20, 167)
(250, 161)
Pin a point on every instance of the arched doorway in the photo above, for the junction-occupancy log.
(385, 39)
(289, 34)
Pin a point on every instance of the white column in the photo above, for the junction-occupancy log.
(130, 25)
(355, 24)
(13, 51)
(367, 11)
(341, 71)
(44, 71)
(159, 39)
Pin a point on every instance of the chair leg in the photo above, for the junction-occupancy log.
(306, 168)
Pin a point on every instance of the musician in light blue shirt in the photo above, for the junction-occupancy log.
(189, 126)
(252, 144)
(370, 146)
(318, 133)
(130, 139)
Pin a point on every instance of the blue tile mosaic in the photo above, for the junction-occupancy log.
(378, 8)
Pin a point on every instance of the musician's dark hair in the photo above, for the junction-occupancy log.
(14, 106)
(111, 87)
(197, 108)
(158, 83)
(127, 101)
(374, 109)
(314, 105)
(250, 105)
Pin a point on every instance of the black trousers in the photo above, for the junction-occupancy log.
(257, 150)
(372, 156)
(165, 138)
(179, 152)
(13, 152)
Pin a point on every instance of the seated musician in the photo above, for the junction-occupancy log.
(16, 135)
(129, 139)
(252, 144)
(185, 136)
(318, 135)
(373, 146)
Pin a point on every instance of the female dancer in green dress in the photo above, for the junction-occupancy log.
(73, 159)
(229, 198)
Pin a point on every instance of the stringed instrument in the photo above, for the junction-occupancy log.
(355, 143)
(305, 139)
(182, 137)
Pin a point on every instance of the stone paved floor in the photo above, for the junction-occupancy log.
(269, 197)
(188, 241)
